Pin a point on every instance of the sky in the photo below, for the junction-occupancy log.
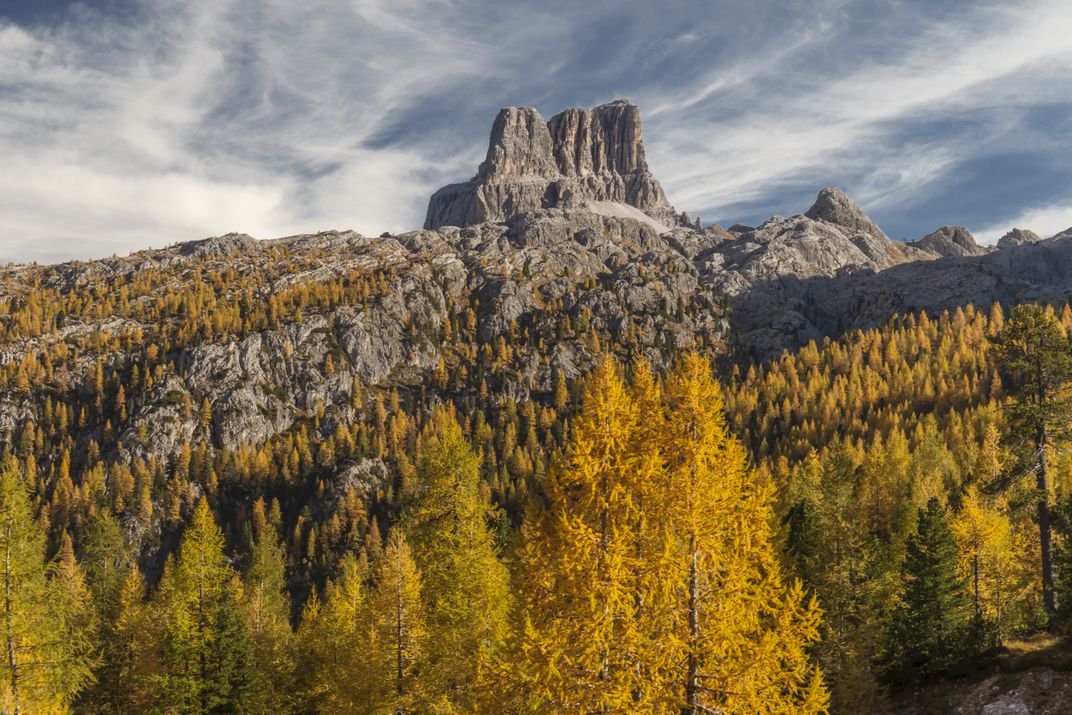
(129, 124)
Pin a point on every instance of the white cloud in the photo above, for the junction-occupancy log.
(1046, 221)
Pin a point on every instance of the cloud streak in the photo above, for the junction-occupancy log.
(179, 120)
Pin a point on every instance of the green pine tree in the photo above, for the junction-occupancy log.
(1035, 357)
(124, 629)
(229, 672)
(930, 634)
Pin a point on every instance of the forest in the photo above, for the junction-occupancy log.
(804, 535)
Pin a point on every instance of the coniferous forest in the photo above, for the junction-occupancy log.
(801, 535)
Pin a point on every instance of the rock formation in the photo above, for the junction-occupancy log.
(833, 237)
(1067, 233)
(581, 158)
(835, 207)
(1017, 237)
(950, 241)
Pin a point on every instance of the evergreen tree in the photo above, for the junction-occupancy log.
(118, 592)
(226, 686)
(930, 632)
(1033, 352)
(840, 561)
(46, 655)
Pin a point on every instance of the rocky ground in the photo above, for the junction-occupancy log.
(1038, 691)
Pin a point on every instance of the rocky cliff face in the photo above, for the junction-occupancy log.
(810, 308)
(581, 158)
(950, 241)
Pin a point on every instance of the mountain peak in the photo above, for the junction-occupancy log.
(950, 241)
(1018, 237)
(580, 158)
(834, 206)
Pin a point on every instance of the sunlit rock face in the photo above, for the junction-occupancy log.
(581, 158)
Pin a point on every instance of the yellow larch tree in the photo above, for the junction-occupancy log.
(742, 635)
(340, 669)
(401, 633)
(579, 643)
(990, 562)
(465, 587)
(45, 661)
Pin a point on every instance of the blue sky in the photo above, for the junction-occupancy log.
(126, 124)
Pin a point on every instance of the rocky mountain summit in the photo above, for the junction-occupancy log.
(581, 158)
(950, 241)
(833, 237)
(1018, 237)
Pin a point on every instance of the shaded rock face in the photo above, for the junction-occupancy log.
(1017, 237)
(950, 241)
(787, 312)
(580, 157)
(1037, 691)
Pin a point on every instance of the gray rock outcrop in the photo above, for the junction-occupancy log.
(950, 241)
(581, 158)
(834, 237)
(835, 207)
(1017, 237)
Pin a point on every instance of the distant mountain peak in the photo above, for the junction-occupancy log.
(580, 157)
(834, 206)
(950, 241)
(1018, 237)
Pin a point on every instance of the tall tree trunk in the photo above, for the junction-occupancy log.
(604, 538)
(975, 579)
(692, 683)
(398, 638)
(202, 629)
(638, 598)
(9, 600)
(1049, 600)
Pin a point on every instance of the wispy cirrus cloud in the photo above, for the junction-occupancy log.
(145, 122)
(887, 127)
